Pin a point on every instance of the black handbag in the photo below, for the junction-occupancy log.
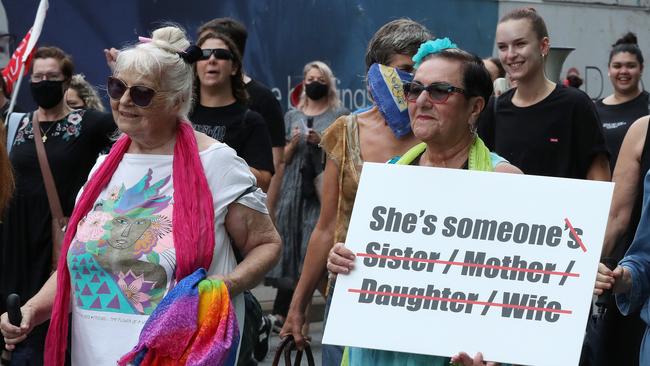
(286, 347)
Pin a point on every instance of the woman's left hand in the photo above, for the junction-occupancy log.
(313, 137)
(223, 278)
(465, 360)
(340, 260)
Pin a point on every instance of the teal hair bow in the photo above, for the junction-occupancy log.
(430, 47)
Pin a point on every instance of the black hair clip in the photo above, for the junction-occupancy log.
(191, 54)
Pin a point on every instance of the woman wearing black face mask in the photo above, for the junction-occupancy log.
(299, 204)
(72, 140)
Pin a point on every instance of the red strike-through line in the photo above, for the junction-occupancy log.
(485, 303)
(575, 235)
(568, 274)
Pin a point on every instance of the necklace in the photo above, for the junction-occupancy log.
(44, 134)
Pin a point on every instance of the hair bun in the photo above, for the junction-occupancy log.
(170, 38)
(628, 38)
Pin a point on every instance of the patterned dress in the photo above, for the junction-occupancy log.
(72, 146)
(297, 212)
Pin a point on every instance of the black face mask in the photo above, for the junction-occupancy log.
(316, 90)
(47, 93)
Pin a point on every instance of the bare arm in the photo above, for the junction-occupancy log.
(255, 237)
(599, 169)
(263, 178)
(320, 242)
(273, 193)
(626, 179)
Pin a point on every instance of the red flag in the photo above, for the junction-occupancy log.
(11, 71)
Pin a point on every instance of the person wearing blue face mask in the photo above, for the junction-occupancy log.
(374, 135)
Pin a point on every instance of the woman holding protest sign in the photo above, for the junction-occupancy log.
(448, 92)
(374, 135)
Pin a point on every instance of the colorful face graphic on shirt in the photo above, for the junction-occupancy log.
(123, 256)
(127, 230)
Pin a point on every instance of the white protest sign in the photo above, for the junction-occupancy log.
(450, 260)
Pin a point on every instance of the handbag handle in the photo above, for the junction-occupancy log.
(286, 346)
(48, 178)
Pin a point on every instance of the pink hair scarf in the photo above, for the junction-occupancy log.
(193, 226)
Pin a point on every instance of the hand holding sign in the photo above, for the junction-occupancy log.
(618, 280)
(463, 359)
(516, 265)
(340, 259)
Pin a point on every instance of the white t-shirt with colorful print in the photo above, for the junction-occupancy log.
(122, 259)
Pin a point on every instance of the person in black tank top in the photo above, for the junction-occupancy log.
(613, 338)
(628, 103)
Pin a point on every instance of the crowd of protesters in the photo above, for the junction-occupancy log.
(196, 184)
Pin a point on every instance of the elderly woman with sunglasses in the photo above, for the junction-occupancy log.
(448, 92)
(165, 202)
(72, 140)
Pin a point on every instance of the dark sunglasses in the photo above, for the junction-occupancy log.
(140, 95)
(438, 92)
(219, 54)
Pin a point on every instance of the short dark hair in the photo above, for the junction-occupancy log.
(231, 28)
(628, 43)
(476, 78)
(536, 20)
(65, 60)
(401, 36)
(501, 71)
(237, 80)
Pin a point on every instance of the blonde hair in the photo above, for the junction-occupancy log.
(160, 60)
(87, 93)
(333, 100)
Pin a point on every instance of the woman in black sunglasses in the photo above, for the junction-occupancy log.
(72, 140)
(166, 204)
(448, 92)
(221, 110)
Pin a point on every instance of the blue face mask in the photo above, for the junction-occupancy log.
(386, 87)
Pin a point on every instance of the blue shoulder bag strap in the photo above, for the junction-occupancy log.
(12, 127)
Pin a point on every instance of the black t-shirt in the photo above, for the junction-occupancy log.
(263, 101)
(618, 118)
(558, 137)
(242, 129)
